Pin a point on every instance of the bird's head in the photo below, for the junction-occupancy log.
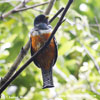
(41, 22)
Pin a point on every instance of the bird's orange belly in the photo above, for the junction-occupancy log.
(46, 57)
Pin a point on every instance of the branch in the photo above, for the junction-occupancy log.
(56, 15)
(94, 25)
(92, 58)
(4, 1)
(47, 11)
(41, 49)
(18, 60)
(30, 7)
(22, 4)
(97, 24)
(93, 89)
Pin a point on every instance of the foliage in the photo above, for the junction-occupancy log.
(75, 75)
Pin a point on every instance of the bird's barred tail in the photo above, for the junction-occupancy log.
(47, 79)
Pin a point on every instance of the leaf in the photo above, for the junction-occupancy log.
(14, 50)
(66, 47)
(5, 7)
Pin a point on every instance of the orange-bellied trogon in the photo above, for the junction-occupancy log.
(47, 58)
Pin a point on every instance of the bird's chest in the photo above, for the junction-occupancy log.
(46, 57)
(39, 40)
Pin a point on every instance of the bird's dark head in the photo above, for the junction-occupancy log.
(41, 22)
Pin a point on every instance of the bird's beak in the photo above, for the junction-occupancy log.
(46, 16)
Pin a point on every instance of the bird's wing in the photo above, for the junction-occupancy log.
(35, 61)
(56, 51)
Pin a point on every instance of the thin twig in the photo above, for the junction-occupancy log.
(56, 15)
(4, 1)
(94, 29)
(11, 11)
(97, 24)
(47, 11)
(30, 7)
(92, 58)
(39, 51)
(93, 89)
(94, 25)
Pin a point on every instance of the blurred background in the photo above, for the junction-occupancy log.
(75, 74)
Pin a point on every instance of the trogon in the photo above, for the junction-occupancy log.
(47, 58)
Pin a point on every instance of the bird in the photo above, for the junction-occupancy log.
(47, 58)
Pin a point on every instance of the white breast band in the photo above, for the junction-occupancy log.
(34, 32)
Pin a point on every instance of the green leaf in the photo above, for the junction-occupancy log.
(14, 50)
(66, 47)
